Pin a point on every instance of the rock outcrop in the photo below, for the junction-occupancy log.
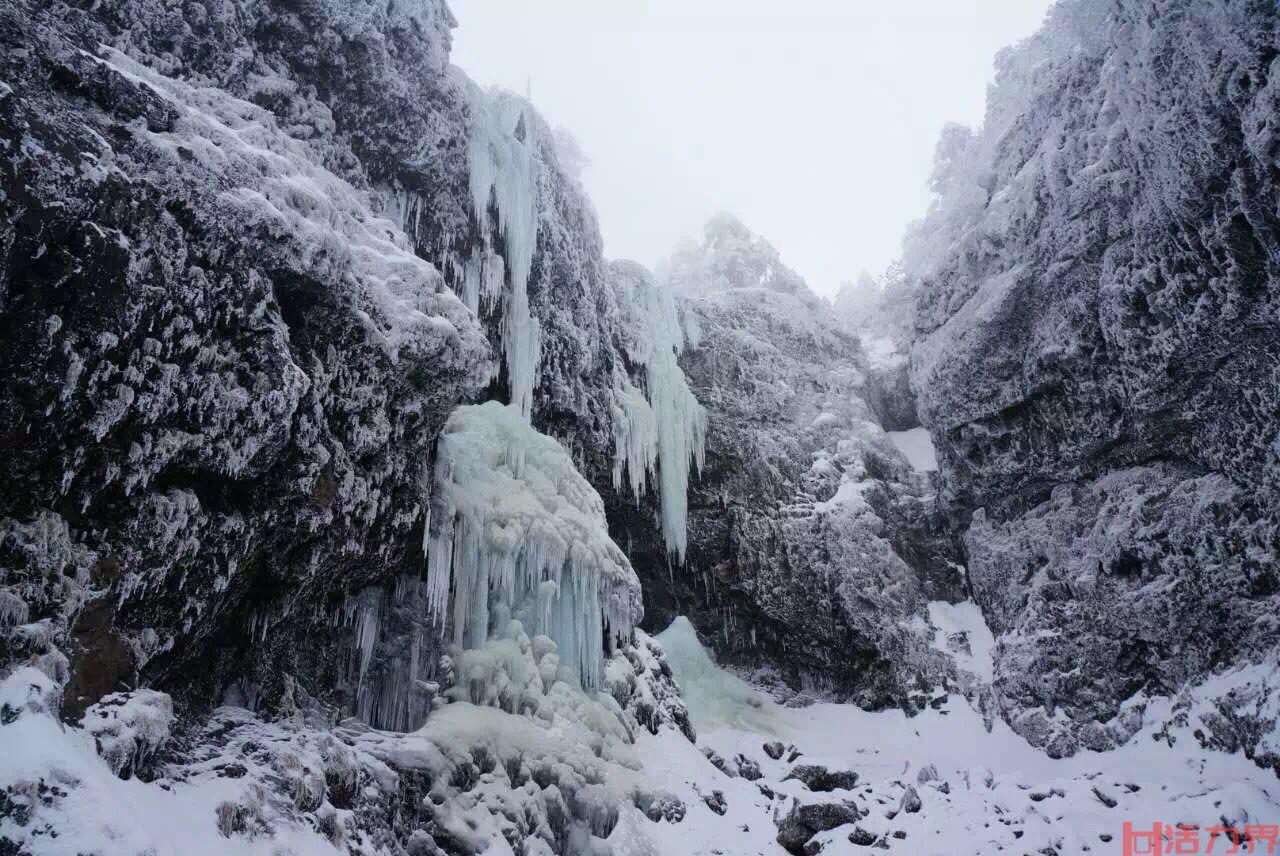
(813, 544)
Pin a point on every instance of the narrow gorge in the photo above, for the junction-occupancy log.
(356, 502)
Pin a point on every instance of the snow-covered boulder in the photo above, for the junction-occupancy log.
(129, 728)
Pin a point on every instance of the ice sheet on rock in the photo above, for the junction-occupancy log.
(659, 432)
(504, 176)
(715, 697)
(515, 526)
(917, 445)
(392, 667)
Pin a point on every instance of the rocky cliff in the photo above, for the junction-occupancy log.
(1097, 360)
(255, 259)
(814, 545)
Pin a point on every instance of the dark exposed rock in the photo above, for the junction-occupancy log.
(660, 807)
(748, 768)
(210, 416)
(818, 778)
(774, 749)
(807, 819)
(861, 837)
(910, 801)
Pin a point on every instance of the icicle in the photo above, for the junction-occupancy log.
(503, 171)
(483, 276)
(635, 440)
(668, 434)
(518, 532)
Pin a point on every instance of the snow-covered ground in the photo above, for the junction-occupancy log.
(992, 791)
(939, 782)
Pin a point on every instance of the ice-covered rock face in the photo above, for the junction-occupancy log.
(1097, 355)
(225, 364)
(881, 312)
(806, 523)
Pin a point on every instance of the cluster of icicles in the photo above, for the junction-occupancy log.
(513, 524)
(514, 529)
(661, 434)
(503, 171)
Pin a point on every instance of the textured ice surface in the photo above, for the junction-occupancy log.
(660, 432)
(514, 524)
(504, 176)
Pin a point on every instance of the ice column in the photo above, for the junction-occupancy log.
(504, 172)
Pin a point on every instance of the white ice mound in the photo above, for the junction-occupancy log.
(714, 697)
(516, 530)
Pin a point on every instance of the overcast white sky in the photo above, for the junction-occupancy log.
(813, 121)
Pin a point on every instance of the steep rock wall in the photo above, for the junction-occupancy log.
(233, 235)
(813, 546)
(1097, 360)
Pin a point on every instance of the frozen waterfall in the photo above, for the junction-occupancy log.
(661, 431)
(516, 530)
(504, 175)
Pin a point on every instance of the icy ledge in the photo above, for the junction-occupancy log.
(516, 531)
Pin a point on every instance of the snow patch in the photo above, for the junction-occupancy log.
(963, 634)
(917, 446)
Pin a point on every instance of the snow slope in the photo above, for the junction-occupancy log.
(982, 788)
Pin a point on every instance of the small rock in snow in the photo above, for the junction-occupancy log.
(818, 778)
(910, 801)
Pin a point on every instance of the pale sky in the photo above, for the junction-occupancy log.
(813, 121)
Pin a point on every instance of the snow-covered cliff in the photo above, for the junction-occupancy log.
(260, 263)
(1097, 360)
(814, 545)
